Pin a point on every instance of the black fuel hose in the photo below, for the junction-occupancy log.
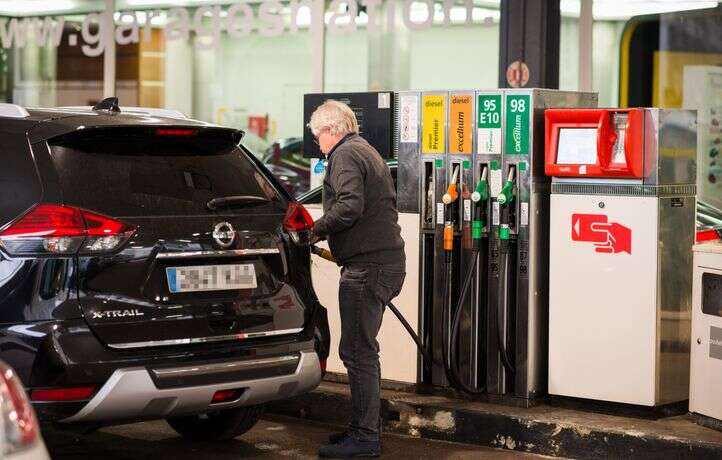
(326, 254)
(504, 288)
(454, 368)
(445, 339)
(424, 352)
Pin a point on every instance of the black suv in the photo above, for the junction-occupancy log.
(151, 267)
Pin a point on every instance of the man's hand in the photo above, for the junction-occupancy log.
(313, 238)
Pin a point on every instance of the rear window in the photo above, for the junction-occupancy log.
(143, 172)
(19, 183)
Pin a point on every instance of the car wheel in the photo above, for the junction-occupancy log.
(219, 425)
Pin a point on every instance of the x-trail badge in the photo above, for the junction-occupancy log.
(224, 235)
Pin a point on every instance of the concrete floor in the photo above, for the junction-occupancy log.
(273, 437)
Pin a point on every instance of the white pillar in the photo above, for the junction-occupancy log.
(318, 72)
(109, 53)
(318, 45)
(586, 36)
(389, 62)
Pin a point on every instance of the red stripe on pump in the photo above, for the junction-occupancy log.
(707, 235)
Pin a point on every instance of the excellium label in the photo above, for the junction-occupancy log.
(460, 120)
(517, 125)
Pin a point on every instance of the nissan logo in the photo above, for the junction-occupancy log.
(224, 235)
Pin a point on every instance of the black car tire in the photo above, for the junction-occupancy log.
(217, 426)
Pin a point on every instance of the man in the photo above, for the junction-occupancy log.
(361, 223)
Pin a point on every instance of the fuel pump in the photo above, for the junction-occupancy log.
(425, 148)
(450, 200)
(477, 160)
(507, 239)
(479, 203)
(461, 116)
(519, 253)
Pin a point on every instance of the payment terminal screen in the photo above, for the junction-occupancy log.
(577, 146)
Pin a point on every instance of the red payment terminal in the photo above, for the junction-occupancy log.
(595, 143)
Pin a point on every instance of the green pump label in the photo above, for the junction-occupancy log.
(488, 124)
(517, 125)
(489, 111)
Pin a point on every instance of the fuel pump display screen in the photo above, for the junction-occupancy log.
(577, 146)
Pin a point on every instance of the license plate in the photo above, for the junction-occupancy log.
(211, 278)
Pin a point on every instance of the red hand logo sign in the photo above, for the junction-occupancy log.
(610, 238)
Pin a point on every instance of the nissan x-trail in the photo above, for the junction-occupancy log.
(151, 267)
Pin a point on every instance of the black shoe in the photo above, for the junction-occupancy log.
(335, 438)
(350, 447)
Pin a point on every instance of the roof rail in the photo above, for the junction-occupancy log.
(12, 111)
(166, 113)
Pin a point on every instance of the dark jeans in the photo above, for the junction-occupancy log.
(364, 292)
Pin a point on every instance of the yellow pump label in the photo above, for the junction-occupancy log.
(433, 134)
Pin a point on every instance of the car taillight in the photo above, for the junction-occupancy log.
(20, 425)
(50, 229)
(297, 218)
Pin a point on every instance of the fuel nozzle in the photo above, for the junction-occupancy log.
(479, 199)
(506, 200)
(451, 195)
(323, 253)
(506, 196)
(481, 193)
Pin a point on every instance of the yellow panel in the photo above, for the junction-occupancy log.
(433, 133)
(667, 84)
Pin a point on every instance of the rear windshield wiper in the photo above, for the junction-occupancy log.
(238, 200)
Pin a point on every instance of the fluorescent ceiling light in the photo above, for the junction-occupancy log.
(15, 7)
(141, 18)
(167, 3)
(622, 10)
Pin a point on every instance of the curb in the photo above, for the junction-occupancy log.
(542, 430)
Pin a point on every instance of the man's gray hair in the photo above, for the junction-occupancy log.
(334, 117)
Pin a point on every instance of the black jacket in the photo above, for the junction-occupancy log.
(359, 202)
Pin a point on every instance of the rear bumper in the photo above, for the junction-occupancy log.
(134, 393)
(59, 354)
